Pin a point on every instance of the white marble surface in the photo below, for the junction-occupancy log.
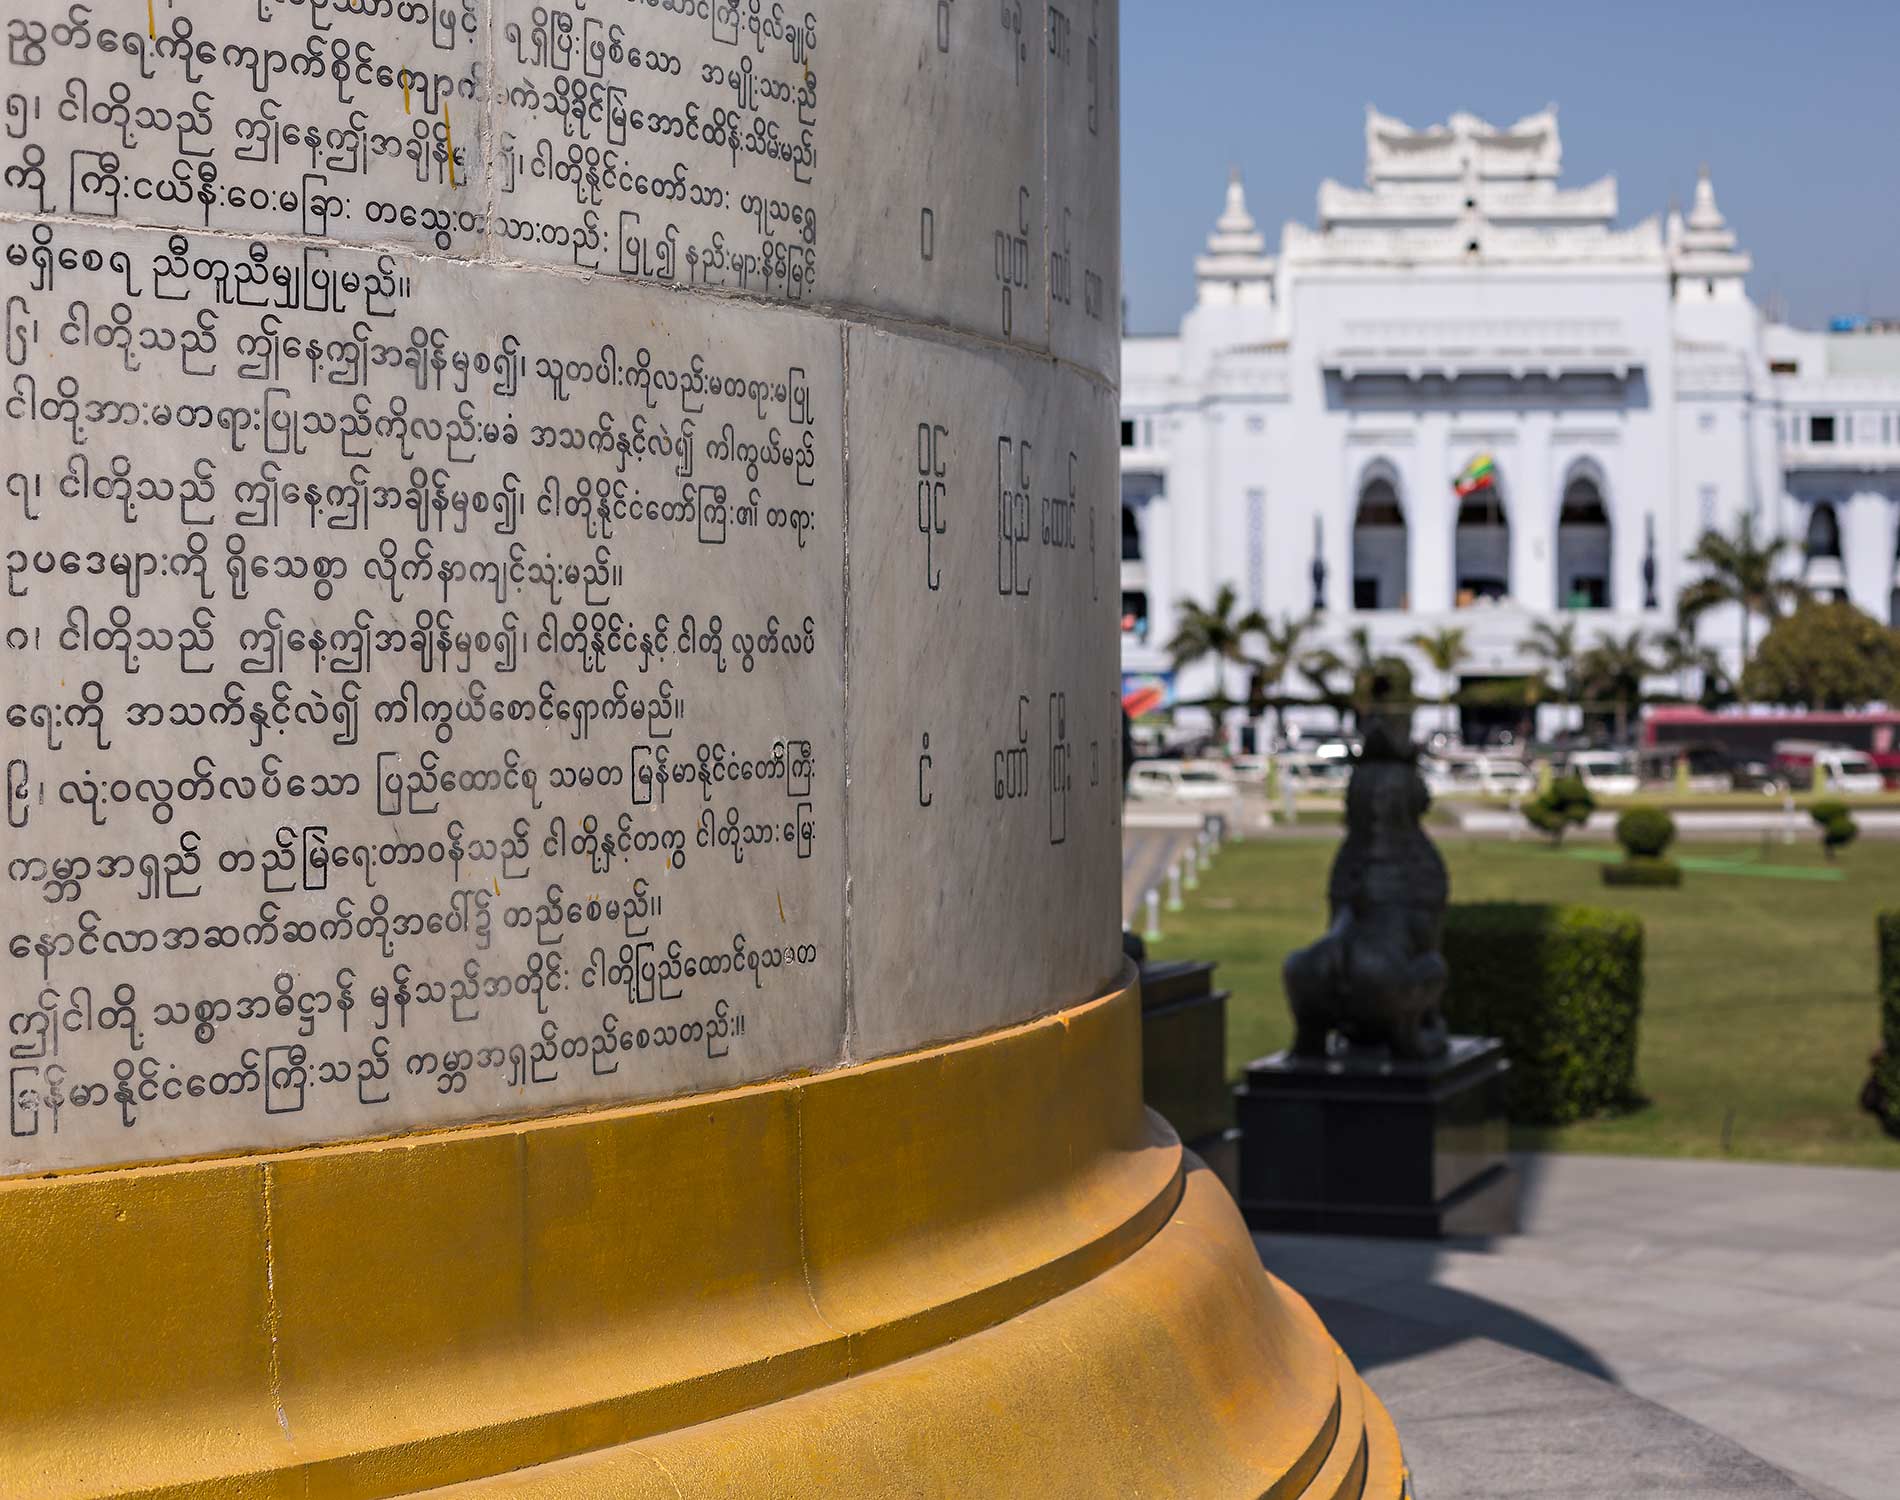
(984, 730)
(453, 671)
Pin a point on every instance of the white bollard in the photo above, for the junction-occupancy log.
(1788, 823)
(1152, 932)
(1174, 886)
(1191, 874)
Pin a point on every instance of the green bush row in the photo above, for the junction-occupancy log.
(1884, 1090)
(1641, 869)
(1562, 987)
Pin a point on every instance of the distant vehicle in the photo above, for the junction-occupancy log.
(1810, 766)
(1333, 747)
(1178, 781)
(1315, 773)
(1604, 772)
(1479, 775)
(1250, 769)
(1710, 768)
(1753, 736)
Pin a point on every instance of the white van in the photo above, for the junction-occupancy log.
(1604, 772)
(1833, 768)
(1309, 774)
(1178, 781)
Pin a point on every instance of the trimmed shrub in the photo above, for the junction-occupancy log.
(1564, 805)
(1562, 987)
(1643, 869)
(1836, 822)
(1882, 1095)
(1645, 832)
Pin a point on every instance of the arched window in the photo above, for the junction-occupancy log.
(1824, 571)
(1381, 566)
(1893, 600)
(1583, 543)
(1131, 535)
(1482, 543)
(1824, 532)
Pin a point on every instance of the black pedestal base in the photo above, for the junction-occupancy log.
(1184, 1061)
(1357, 1144)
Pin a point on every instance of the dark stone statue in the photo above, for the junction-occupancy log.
(1376, 978)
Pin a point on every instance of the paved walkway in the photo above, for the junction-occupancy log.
(1760, 1301)
(1147, 851)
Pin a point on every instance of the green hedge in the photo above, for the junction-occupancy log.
(1645, 832)
(1884, 1090)
(1562, 986)
(1643, 870)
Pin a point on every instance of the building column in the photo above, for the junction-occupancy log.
(1533, 510)
(1867, 546)
(1429, 518)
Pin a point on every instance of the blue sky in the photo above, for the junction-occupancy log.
(1796, 108)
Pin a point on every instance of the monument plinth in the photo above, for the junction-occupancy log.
(1377, 1120)
(1359, 1144)
(561, 775)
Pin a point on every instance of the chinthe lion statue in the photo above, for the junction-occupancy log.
(1377, 978)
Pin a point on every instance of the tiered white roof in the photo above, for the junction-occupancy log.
(1464, 190)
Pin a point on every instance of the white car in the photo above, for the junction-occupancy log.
(1314, 773)
(1178, 781)
(1604, 773)
(1477, 776)
(1251, 769)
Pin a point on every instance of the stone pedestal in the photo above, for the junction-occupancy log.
(1366, 1145)
(1184, 1061)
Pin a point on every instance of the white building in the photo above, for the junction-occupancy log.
(1300, 436)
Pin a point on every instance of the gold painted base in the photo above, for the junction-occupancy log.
(977, 1270)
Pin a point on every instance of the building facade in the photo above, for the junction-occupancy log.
(1468, 397)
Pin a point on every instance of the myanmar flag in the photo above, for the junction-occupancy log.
(1480, 474)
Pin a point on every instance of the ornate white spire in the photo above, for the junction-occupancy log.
(1707, 229)
(1235, 232)
(1236, 267)
(1707, 264)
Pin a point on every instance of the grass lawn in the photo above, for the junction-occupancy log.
(1759, 1010)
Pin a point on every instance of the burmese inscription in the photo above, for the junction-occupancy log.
(429, 548)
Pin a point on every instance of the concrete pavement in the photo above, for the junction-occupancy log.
(1760, 1301)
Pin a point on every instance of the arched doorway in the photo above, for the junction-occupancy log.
(1381, 561)
(1583, 542)
(1481, 549)
(1893, 599)
(1824, 571)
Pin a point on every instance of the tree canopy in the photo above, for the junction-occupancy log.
(1828, 656)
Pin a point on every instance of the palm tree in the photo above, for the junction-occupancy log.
(1445, 651)
(1615, 668)
(1204, 633)
(1284, 642)
(1744, 570)
(1372, 678)
(1555, 648)
(1678, 653)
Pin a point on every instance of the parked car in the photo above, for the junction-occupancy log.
(1250, 769)
(1477, 775)
(1807, 764)
(1710, 768)
(1314, 773)
(1606, 773)
(1179, 781)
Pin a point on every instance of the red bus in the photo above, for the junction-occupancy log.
(1753, 736)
